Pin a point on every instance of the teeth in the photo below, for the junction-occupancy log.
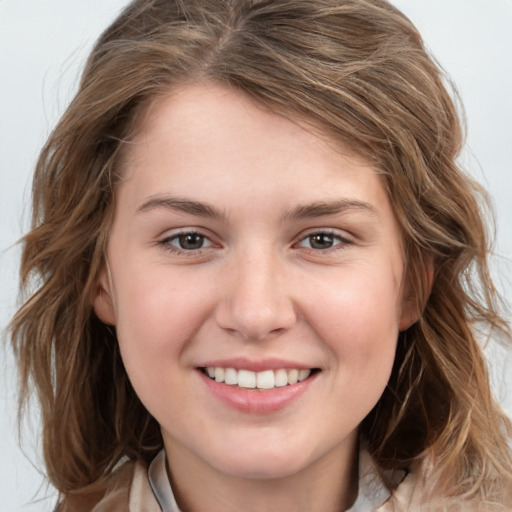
(230, 376)
(246, 379)
(293, 376)
(280, 378)
(267, 379)
(219, 374)
(303, 374)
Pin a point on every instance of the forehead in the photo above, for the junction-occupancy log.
(206, 138)
(212, 110)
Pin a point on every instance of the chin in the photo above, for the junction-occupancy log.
(263, 464)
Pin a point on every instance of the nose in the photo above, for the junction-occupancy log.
(255, 298)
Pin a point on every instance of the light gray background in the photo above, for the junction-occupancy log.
(42, 48)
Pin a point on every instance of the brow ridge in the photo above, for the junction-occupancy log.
(300, 212)
(184, 205)
(321, 208)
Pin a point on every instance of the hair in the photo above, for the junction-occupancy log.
(358, 69)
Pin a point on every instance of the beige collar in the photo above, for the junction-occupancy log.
(372, 493)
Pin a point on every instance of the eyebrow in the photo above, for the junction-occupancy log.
(300, 212)
(321, 208)
(182, 205)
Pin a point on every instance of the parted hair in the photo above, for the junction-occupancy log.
(359, 71)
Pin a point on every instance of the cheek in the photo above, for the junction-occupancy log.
(358, 323)
(357, 305)
(154, 325)
(157, 305)
(157, 316)
(357, 317)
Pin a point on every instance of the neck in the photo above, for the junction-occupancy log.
(327, 485)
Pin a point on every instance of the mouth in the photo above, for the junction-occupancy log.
(257, 381)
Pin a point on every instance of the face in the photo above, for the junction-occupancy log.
(256, 279)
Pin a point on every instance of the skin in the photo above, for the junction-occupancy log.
(325, 291)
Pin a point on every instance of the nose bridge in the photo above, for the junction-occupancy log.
(257, 298)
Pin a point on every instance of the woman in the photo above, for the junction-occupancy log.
(261, 271)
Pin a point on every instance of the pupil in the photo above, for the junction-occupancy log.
(321, 241)
(191, 241)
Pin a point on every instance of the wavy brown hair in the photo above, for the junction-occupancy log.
(357, 69)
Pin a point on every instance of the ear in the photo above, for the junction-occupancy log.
(412, 303)
(102, 299)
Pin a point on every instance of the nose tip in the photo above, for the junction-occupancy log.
(256, 303)
(255, 323)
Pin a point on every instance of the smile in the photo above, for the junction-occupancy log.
(266, 391)
(247, 379)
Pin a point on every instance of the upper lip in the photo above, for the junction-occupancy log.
(255, 365)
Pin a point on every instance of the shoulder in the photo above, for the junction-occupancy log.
(117, 491)
(127, 489)
(414, 494)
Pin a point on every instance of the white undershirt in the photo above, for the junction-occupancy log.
(372, 493)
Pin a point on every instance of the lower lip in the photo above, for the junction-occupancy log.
(254, 401)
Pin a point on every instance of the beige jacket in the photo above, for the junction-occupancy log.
(130, 491)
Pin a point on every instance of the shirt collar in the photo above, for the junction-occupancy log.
(372, 493)
(157, 474)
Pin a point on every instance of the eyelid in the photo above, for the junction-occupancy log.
(164, 241)
(343, 237)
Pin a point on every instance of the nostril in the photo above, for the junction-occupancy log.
(254, 303)
(255, 325)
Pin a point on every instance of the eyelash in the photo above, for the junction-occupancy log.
(339, 242)
(167, 244)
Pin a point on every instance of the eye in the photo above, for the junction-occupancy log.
(322, 241)
(187, 242)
